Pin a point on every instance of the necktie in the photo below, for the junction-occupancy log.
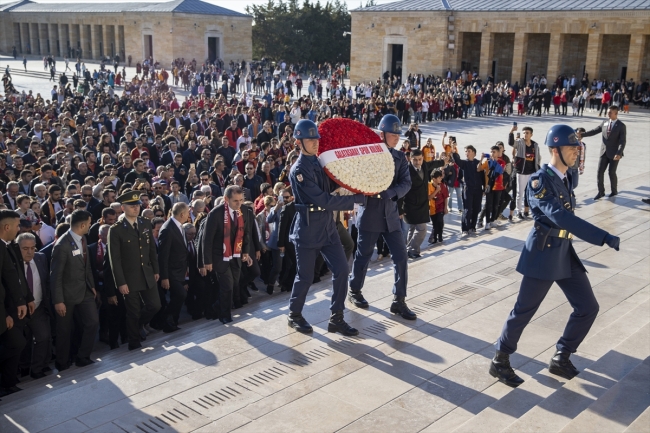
(135, 227)
(609, 128)
(29, 277)
(566, 182)
(190, 248)
(100, 256)
(83, 246)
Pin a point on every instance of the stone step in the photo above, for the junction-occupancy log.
(535, 389)
(576, 395)
(618, 407)
(641, 424)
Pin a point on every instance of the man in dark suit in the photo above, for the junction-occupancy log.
(196, 288)
(53, 205)
(134, 263)
(611, 150)
(37, 326)
(13, 309)
(224, 246)
(168, 155)
(73, 292)
(13, 188)
(172, 260)
(415, 203)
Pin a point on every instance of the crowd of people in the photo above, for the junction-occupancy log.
(108, 206)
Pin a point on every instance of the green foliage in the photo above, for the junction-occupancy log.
(301, 32)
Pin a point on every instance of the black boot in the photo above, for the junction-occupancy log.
(170, 325)
(337, 324)
(399, 307)
(501, 369)
(357, 299)
(562, 366)
(297, 322)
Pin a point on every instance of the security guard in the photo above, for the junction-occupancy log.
(381, 217)
(313, 231)
(548, 256)
(134, 262)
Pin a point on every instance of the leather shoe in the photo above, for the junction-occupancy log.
(115, 345)
(612, 194)
(37, 375)
(253, 287)
(225, 320)
(168, 329)
(82, 362)
(143, 334)
(562, 366)
(269, 289)
(599, 196)
(337, 324)
(9, 390)
(299, 323)
(399, 307)
(501, 369)
(60, 367)
(134, 346)
(357, 299)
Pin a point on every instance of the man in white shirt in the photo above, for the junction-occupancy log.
(37, 326)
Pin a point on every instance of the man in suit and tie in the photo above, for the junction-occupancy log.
(13, 188)
(224, 246)
(194, 281)
(37, 326)
(13, 308)
(73, 292)
(172, 260)
(156, 128)
(611, 149)
(415, 204)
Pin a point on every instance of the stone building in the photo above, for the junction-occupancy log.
(190, 29)
(512, 40)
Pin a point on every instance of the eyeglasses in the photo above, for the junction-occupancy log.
(205, 180)
(87, 195)
(286, 197)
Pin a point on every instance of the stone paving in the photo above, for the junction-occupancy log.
(430, 375)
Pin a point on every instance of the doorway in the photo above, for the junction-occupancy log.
(213, 48)
(397, 53)
(148, 46)
(623, 73)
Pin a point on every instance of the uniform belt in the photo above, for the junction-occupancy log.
(315, 209)
(557, 233)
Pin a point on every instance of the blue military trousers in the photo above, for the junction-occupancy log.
(532, 292)
(365, 246)
(306, 260)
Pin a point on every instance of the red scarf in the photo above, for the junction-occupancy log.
(239, 237)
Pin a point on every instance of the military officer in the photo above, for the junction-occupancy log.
(134, 262)
(313, 231)
(381, 217)
(548, 256)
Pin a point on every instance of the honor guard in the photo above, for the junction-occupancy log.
(548, 256)
(134, 263)
(313, 231)
(380, 217)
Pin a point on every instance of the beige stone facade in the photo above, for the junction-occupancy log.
(165, 35)
(511, 45)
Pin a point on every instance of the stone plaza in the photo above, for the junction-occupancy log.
(430, 375)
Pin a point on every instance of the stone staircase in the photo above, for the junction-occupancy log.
(430, 375)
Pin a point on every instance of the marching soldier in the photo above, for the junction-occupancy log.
(134, 263)
(548, 256)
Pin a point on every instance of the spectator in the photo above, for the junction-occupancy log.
(438, 195)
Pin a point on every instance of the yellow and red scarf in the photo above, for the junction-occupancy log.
(239, 237)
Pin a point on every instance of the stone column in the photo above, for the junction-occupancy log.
(42, 37)
(487, 55)
(106, 40)
(53, 36)
(594, 51)
(96, 32)
(519, 55)
(33, 38)
(556, 46)
(64, 38)
(84, 38)
(638, 45)
(116, 41)
(24, 38)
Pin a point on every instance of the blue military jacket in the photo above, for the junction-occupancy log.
(381, 214)
(544, 256)
(312, 189)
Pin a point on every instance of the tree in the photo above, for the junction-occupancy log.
(301, 33)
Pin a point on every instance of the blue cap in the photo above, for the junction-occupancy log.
(561, 135)
(390, 123)
(305, 128)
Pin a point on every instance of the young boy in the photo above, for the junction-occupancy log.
(438, 195)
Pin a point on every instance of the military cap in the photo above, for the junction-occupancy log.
(130, 197)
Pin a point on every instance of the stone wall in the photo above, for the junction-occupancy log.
(614, 56)
(504, 44)
(551, 42)
(174, 35)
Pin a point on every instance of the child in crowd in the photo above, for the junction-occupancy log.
(438, 195)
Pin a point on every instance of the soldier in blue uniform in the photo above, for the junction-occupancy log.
(381, 217)
(313, 231)
(548, 256)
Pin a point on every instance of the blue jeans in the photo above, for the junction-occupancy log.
(459, 197)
